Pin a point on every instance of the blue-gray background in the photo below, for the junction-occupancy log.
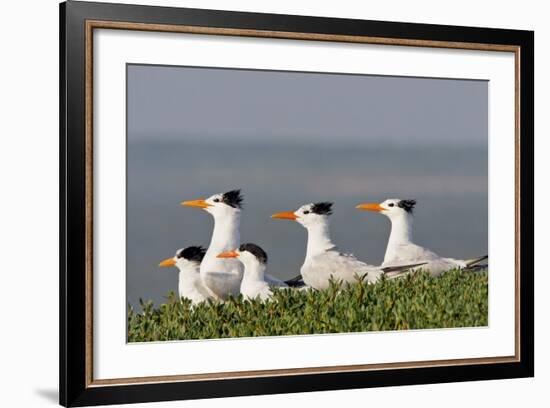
(287, 139)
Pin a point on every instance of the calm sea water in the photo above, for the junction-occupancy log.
(449, 183)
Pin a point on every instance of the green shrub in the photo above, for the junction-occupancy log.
(456, 299)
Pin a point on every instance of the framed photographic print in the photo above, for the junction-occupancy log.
(238, 193)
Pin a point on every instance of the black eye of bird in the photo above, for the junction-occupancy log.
(391, 204)
(306, 212)
(216, 200)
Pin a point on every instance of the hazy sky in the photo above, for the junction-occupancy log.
(288, 139)
(169, 102)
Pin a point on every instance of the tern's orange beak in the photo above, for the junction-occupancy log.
(228, 254)
(370, 207)
(289, 215)
(168, 262)
(196, 203)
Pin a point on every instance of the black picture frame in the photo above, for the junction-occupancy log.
(75, 390)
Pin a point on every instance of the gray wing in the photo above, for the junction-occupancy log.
(275, 282)
(338, 266)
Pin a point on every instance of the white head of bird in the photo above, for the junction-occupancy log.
(186, 259)
(400, 213)
(219, 205)
(252, 257)
(226, 210)
(393, 208)
(309, 215)
(315, 218)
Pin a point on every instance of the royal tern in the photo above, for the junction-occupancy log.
(401, 249)
(223, 276)
(188, 262)
(254, 260)
(323, 259)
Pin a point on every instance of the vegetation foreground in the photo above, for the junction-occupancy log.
(456, 299)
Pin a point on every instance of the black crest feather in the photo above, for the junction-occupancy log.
(233, 198)
(192, 253)
(407, 205)
(255, 250)
(323, 208)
